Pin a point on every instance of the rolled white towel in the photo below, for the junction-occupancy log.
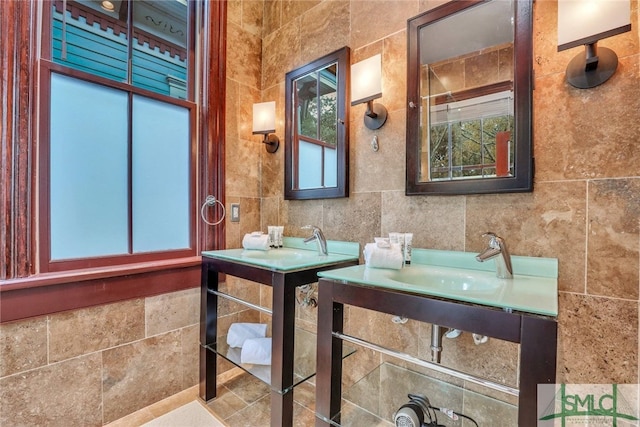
(256, 240)
(383, 255)
(256, 351)
(240, 332)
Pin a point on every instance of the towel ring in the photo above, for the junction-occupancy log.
(211, 201)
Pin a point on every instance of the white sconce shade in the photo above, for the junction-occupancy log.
(366, 80)
(366, 85)
(264, 117)
(584, 22)
(264, 123)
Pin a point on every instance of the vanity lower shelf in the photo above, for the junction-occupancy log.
(304, 364)
(375, 398)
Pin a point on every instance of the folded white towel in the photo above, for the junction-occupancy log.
(240, 332)
(383, 255)
(256, 240)
(256, 351)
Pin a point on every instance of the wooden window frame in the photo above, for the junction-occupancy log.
(25, 291)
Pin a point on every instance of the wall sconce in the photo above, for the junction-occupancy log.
(366, 85)
(584, 22)
(264, 123)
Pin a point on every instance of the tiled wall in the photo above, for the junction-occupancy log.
(92, 366)
(584, 210)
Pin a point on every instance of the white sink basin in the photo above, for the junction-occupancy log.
(449, 280)
(280, 253)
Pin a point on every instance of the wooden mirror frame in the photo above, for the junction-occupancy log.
(342, 58)
(522, 180)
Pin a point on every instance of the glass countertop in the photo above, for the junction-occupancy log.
(458, 276)
(294, 255)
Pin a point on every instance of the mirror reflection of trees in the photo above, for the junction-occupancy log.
(471, 148)
(318, 115)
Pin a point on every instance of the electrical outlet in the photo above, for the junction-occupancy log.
(235, 212)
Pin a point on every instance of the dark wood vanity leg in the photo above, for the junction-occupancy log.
(208, 332)
(538, 349)
(283, 332)
(329, 355)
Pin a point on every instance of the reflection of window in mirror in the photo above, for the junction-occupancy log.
(468, 92)
(316, 132)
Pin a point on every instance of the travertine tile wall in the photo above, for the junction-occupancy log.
(92, 366)
(585, 211)
(585, 208)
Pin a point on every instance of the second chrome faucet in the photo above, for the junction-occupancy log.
(497, 249)
(318, 236)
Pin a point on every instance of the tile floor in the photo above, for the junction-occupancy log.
(242, 400)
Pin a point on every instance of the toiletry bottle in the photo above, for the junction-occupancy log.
(408, 242)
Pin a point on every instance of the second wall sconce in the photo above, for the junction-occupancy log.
(264, 123)
(584, 22)
(366, 85)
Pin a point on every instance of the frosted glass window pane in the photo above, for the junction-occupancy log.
(330, 167)
(161, 147)
(309, 166)
(88, 177)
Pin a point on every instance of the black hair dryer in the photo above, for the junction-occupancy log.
(413, 413)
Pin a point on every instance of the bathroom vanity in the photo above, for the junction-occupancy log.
(449, 289)
(283, 269)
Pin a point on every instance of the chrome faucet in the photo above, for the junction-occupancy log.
(497, 249)
(317, 236)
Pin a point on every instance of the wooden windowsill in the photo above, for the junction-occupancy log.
(49, 293)
(58, 278)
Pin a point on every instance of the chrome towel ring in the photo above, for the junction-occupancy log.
(211, 201)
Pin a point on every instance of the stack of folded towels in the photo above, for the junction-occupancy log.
(251, 338)
(383, 254)
(256, 241)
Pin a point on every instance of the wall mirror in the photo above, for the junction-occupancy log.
(316, 133)
(469, 98)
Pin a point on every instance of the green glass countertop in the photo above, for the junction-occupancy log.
(295, 255)
(458, 276)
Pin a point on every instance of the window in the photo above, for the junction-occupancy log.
(31, 284)
(117, 156)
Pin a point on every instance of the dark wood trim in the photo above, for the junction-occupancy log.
(17, 20)
(212, 116)
(475, 92)
(20, 303)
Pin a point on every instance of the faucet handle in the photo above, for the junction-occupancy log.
(313, 228)
(495, 241)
